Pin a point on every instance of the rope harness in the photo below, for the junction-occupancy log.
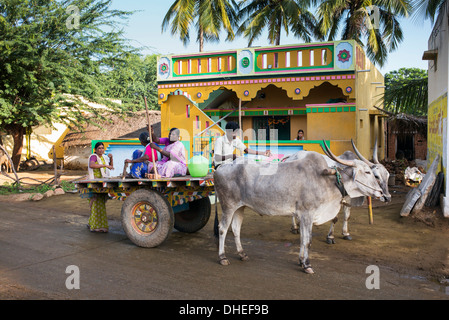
(341, 187)
(339, 182)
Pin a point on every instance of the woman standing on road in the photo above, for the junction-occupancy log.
(99, 166)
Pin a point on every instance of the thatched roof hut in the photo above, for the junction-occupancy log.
(77, 143)
(115, 127)
(404, 124)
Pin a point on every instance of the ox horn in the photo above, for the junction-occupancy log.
(333, 157)
(376, 161)
(360, 155)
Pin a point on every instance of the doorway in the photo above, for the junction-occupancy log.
(405, 147)
(279, 123)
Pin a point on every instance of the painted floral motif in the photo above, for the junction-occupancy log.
(344, 55)
(163, 68)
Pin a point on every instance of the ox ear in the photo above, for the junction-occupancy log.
(376, 161)
(333, 157)
(360, 155)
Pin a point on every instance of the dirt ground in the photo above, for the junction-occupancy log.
(415, 245)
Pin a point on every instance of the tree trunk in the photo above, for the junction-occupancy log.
(201, 39)
(277, 42)
(17, 132)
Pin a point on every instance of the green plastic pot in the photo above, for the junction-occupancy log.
(198, 166)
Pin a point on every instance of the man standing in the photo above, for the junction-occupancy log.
(227, 143)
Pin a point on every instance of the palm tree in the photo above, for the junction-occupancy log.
(406, 91)
(276, 15)
(355, 16)
(428, 8)
(208, 17)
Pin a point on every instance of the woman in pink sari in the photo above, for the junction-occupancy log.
(174, 161)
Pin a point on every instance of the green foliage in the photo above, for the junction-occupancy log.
(132, 79)
(406, 91)
(49, 70)
(356, 22)
(14, 188)
(429, 9)
(287, 15)
(208, 17)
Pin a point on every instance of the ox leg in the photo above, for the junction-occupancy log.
(236, 226)
(305, 227)
(223, 227)
(330, 236)
(295, 229)
(347, 215)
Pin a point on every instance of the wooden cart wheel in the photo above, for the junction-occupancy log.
(195, 218)
(147, 218)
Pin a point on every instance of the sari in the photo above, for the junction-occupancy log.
(139, 169)
(98, 219)
(176, 164)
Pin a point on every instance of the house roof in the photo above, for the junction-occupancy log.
(117, 127)
(404, 123)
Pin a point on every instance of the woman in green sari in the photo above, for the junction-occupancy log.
(99, 166)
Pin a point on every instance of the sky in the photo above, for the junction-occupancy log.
(143, 28)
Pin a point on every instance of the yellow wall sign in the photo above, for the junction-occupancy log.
(436, 137)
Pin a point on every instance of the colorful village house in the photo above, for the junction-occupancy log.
(328, 89)
(437, 113)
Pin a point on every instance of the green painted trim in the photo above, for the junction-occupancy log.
(134, 141)
(233, 71)
(94, 142)
(329, 65)
(286, 142)
(174, 60)
(230, 53)
(258, 113)
(330, 109)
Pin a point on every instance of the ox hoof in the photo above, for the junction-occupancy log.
(243, 256)
(330, 241)
(295, 231)
(309, 270)
(347, 237)
(224, 262)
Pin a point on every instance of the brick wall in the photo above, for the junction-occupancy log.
(419, 146)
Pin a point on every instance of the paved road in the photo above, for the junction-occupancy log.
(38, 241)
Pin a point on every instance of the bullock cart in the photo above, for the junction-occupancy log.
(153, 207)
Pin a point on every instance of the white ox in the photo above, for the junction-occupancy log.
(380, 173)
(303, 188)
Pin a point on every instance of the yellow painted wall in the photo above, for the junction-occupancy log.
(42, 140)
(338, 127)
(174, 115)
(200, 91)
(369, 90)
(437, 120)
(296, 123)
